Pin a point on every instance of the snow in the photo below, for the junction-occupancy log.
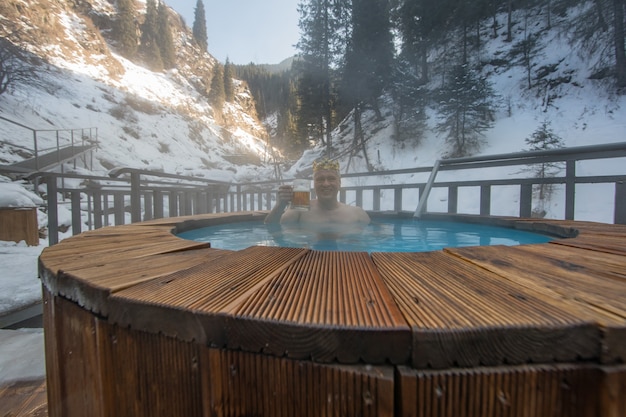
(21, 355)
(584, 114)
(14, 195)
(19, 285)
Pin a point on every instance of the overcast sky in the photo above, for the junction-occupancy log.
(259, 31)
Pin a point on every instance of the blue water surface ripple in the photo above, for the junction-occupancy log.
(382, 235)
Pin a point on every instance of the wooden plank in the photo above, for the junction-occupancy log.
(73, 257)
(598, 293)
(176, 303)
(148, 375)
(539, 267)
(528, 390)
(249, 384)
(51, 345)
(327, 306)
(582, 227)
(201, 220)
(260, 299)
(78, 362)
(463, 315)
(91, 286)
(612, 389)
(19, 223)
(602, 243)
(24, 399)
(600, 265)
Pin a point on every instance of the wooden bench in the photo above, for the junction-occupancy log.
(140, 322)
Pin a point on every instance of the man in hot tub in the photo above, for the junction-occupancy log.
(324, 211)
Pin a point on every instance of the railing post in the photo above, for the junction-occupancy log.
(182, 203)
(53, 210)
(147, 203)
(620, 203)
(158, 204)
(570, 188)
(201, 202)
(173, 203)
(376, 198)
(90, 212)
(453, 199)
(135, 197)
(244, 201)
(188, 203)
(359, 197)
(119, 209)
(97, 209)
(397, 199)
(76, 218)
(526, 200)
(485, 200)
(239, 199)
(268, 200)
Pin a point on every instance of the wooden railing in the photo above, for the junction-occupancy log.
(457, 186)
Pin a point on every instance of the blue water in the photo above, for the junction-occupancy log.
(382, 235)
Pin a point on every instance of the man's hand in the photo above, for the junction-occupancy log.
(283, 198)
(285, 194)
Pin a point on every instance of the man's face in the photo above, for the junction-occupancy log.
(326, 184)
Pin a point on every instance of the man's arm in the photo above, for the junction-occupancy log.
(285, 194)
(363, 216)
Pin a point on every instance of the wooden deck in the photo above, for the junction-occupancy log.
(24, 399)
(143, 323)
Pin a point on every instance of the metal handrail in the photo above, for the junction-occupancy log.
(37, 150)
(147, 191)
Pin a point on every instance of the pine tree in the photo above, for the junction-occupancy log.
(164, 38)
(544, 138)
(199, 26)
(324, 25)
(217, 93)
(369, 64)
(229, 87)
(370, 57)
(149, 37)
(420, 23)
(466, 106)
(618, 38)
(125, 28)
(409, 104)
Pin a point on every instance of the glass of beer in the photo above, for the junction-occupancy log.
(301, 195)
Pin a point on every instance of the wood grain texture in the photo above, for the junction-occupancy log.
(24, 399)
(245, 384)
(555, 390)
(129, 309)
(463, 315)
(591, 283)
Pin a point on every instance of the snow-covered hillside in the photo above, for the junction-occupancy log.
(158, 120)
(580, 109)
(144, 119)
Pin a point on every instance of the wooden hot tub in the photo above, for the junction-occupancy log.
(139, 322)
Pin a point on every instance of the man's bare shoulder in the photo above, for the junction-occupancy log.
(355, 213)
